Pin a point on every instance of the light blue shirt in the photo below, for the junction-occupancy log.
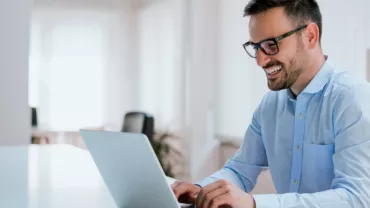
(316, 146)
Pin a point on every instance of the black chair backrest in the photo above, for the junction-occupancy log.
(34, 122)
(139, 122)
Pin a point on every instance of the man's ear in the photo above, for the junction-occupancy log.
(312, 35)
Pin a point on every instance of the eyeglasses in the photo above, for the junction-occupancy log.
(268, 46)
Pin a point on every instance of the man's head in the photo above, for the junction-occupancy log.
(284, 38)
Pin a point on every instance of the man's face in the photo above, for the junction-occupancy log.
(283, 68)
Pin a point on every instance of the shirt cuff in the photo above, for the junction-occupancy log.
(206, 181)
(266, 201)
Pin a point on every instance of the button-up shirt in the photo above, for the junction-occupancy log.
(317, 145)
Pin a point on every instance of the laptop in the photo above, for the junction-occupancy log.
(130, 169)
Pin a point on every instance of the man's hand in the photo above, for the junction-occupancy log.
(186, 193)
(223, 194)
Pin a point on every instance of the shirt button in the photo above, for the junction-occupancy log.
(298, 148)
(300, 116)
(295, 181)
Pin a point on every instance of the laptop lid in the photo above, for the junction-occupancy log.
(130, 169)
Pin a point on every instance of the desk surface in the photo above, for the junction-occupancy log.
(59, 176)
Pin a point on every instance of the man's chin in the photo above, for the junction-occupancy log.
(275, 89)
(275, 86)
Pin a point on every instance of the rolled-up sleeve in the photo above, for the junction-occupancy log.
(243, 169)
(351, 185)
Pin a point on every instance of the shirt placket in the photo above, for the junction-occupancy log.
(297, 153)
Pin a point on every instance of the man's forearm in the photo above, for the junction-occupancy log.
(229, 175)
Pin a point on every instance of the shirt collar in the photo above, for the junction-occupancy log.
(318, 82)
(290, 94)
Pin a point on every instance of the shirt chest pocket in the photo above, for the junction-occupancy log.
(317, 167)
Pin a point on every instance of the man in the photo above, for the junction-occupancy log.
(312, 129)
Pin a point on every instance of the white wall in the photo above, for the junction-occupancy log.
(14, 111)
(366, 10)
(122, 79)
(201, 76)
(344, 34)
(15, 122)
(367, 35)
(194, 71)
(160, 63)
(163, 44)
(241, 84)
(101, 4)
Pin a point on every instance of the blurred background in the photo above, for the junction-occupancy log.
(172, 69)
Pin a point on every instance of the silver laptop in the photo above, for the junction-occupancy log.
(130, 169)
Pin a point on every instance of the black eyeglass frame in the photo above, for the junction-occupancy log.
(275, 40)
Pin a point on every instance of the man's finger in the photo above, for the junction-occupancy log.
(215, 185)
(175, 184)
(180, 190)
(221, 201)
(212, 195)
(207, 189)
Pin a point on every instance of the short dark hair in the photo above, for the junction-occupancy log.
(299, 11)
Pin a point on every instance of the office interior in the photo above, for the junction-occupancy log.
(174, 70)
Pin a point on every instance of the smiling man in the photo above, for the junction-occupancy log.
(312, 129)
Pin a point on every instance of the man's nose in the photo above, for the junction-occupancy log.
(262, 58)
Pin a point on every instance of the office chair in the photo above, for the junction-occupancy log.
(139, 122)
(34, 122)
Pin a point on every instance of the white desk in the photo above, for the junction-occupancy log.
(59, 176)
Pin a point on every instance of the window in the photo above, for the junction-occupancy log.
(76, 77)
(67, 71)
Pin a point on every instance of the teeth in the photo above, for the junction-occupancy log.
(273, 69)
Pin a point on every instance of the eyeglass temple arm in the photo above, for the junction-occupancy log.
(290, 33)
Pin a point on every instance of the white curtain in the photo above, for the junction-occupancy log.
(161, 62)
(89, 66)
(68, 63)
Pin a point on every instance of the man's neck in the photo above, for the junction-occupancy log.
(307, 75)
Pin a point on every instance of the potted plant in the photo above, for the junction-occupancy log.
(172, 160)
